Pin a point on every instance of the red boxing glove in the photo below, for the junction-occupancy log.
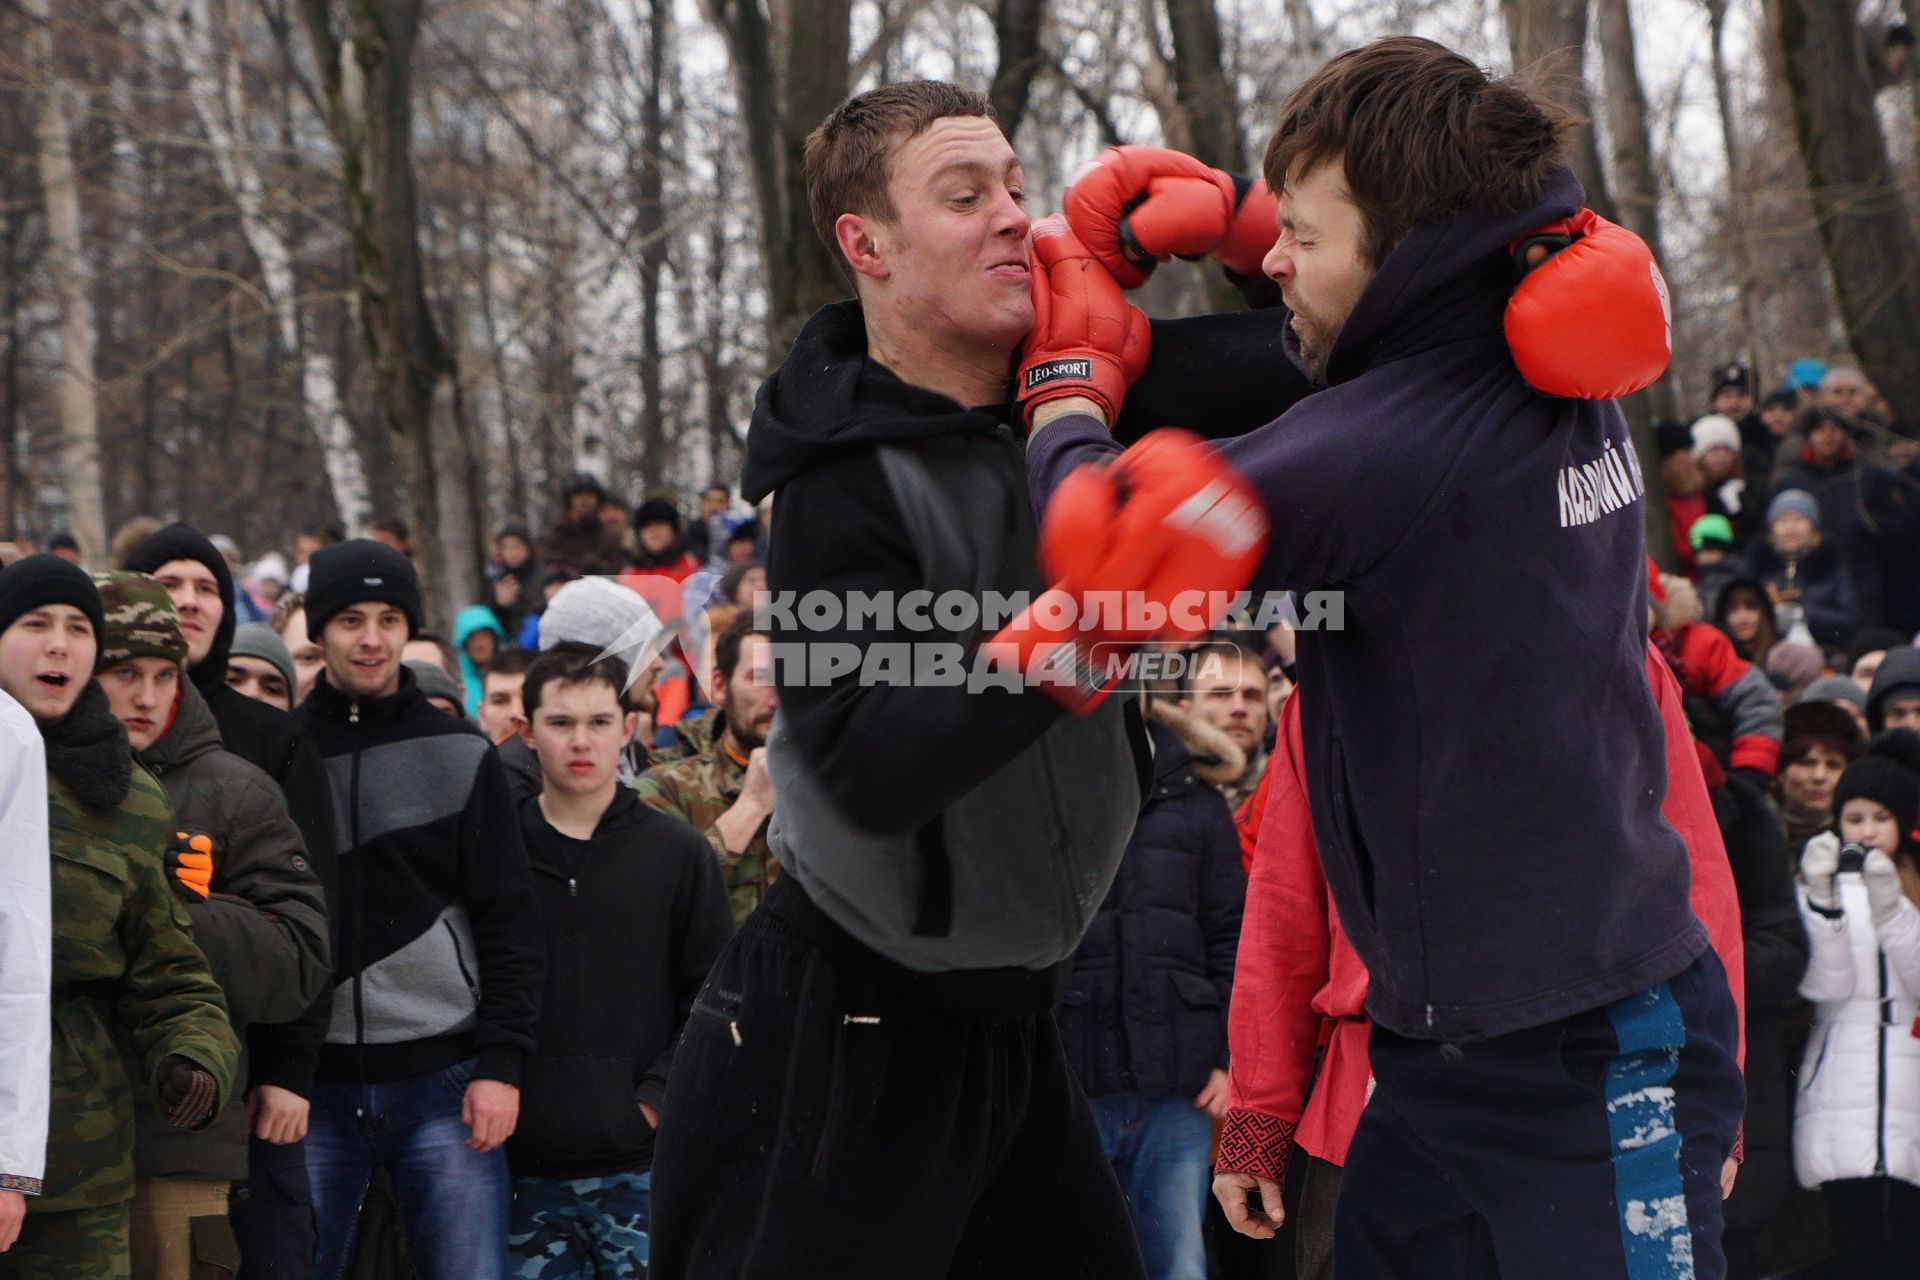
(1135, 207)
(1152, 546)
(1592, 322)
(1087, 339)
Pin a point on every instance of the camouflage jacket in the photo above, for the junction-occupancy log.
(692, 735)
(697, 790)
(127, 980)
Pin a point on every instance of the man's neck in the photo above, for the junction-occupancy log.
(731, 748)
(573, 815)
(917, 356)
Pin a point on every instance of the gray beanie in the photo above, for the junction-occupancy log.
(1835, 689)
(434, 682)
(257, 640)
(601, 613)
(1794, 500)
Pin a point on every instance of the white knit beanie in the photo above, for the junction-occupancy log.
(1715, 431)
(602, 613)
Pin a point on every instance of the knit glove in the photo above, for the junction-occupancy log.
(1819, 865)
(190, 866)
(1883, 888)
(187, 1093)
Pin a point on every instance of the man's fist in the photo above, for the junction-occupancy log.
(1135, 207)
(1087, 339)
(490, 1109)
(1592, 321)
(187, 1092)
(190, 866)
(1151, 546)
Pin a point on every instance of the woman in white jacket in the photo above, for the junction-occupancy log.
(1856, 1130)
(26, 965)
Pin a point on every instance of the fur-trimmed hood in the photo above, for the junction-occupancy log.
(1217, 758)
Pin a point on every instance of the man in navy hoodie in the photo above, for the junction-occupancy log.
(1555, 1044)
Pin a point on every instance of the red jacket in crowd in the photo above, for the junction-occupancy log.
(1299, 985)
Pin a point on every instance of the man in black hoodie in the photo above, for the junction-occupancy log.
(871, 1084)
(275, 1213)
(634, 913)
(1554, 1042)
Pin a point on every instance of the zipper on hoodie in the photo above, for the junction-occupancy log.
(359, 924)
(460, 959)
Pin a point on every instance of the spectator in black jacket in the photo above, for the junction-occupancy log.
(275, 1217)
(1864, 509)
(1805, 575)
(634, 914)
(439, 965)
(1144, 1016)
(1773, 1226)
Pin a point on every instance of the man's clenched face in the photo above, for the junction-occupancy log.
(953, 259)
(1317, 260)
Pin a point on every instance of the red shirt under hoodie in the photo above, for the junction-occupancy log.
(1298, 984)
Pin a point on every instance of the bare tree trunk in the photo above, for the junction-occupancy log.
(219, 101)
(1636, 190)
(1212, 112)
(778, 108)
(1549, 43)
(366, 71)
(1016, 33)
(1869, 240)
(1751, 342)
(1212, 108)
(650, 227)
(72, 281)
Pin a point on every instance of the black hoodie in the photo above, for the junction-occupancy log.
(634, 917)
(964, 831)
(891, 757)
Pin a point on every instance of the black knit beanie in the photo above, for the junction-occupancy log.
(358, 570)
(44, 579)
(184, 542)
(1888, 775)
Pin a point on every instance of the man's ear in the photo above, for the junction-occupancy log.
(633, 725)
(856, 235)
(523, 727)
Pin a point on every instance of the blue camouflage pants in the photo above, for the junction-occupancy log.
(580, 1228)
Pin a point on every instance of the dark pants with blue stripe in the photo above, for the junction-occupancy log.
(1587, 1149)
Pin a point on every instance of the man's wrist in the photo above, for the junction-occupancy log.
(741, 822)
(1062, 406)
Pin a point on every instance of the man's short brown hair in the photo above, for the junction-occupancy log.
(848, 153)
(1423, 134)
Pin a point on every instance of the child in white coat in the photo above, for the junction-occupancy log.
(1856, 1125)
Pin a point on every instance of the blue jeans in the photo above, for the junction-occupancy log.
(455, 1203)
(1159, 1149)
(581, 1228)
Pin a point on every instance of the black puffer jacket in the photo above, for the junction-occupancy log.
(1765, 1231)
(263, 929)
(1146, 1008)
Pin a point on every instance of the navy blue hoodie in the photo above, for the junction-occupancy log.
(1484, 759)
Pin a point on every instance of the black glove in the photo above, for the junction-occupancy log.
(187, 1092)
